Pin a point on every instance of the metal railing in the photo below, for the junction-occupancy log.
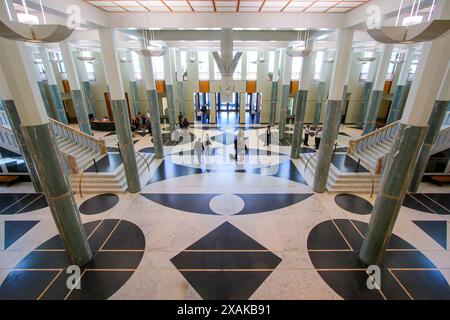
(146, 161)
(309, 160)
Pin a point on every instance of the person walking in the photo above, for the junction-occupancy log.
(318, 137)
(306, 136)
(268, 136)
(198, 148)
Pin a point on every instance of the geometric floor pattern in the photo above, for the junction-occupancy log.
(18, 203)
(14, 230)
(437, 230)
(200, 203)
(117, 247)
(226, 264)
(406, 274)
(436, 203)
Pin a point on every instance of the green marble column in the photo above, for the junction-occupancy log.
(283, 110)
(58, 104)
(341, 109)
(44, 96)
(135, 96)
(181, 97)
(372, 112)
(319, 99)
(404, 98)
(88, 94)
(171, 106)
(81, 112)
(434, 123)
(394, 112)
(15, 122)
(58, 193)
(300, 110)
(152, 100)
(326, 146)
(363, 105)
(396, 178)
(273, 103)
(123, 130)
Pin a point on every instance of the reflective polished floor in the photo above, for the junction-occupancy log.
(221, 229)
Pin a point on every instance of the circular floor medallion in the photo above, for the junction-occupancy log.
(227, 204)
(99, 203)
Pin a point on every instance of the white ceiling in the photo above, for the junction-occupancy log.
(223, 6)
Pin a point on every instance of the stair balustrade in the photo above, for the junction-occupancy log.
(442, 142)
(7, 139)
(76, 136)
(359, 145)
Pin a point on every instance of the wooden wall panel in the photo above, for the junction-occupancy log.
(66, 86)
(203, 86)
(160, 86)
(294, 86)
(108, 106)
(387, 86)
(251, 86)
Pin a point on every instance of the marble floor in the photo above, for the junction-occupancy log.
(221, 229)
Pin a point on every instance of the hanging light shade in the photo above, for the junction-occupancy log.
(154, 49)
(411, 34)
(85, 58)
(397, 61)
(298, 52)
(412, 28)
(366, 59)
(124, 60)
(37, 33)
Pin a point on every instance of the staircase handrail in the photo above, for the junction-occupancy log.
(372, 138)
(11, 142)
(79, 137)
(442, 141)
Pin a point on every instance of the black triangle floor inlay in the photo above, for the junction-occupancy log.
(226, 264)
(437, 230)
(14, 230)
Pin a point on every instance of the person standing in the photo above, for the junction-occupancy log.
(306, 135)
(318, 137)
(268, 136)
(198, 148)
(180, 119)
(148, 123)
(253, 114)
(207, 145)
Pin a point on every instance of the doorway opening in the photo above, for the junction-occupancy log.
(202, 107)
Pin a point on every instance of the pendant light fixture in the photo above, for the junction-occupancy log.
(412, 28)
(300, 48)
(151, 46)
(31, 30)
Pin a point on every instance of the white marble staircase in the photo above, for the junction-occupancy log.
(338, 181)
(372, 154)
(114, 181)
(82, 155)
